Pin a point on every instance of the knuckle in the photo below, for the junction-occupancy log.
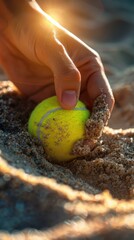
(73, 74)
(96, 55)
(93, 54)
(94, 61)
(97, 63)
(57, 45)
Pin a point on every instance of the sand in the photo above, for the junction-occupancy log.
(91, 197)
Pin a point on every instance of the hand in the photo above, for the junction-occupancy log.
(43, 59)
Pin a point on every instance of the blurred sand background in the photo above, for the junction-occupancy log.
(40, 200)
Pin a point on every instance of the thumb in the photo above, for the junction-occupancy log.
(67, 78)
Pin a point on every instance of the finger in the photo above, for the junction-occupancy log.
(67, 78)
(98, 84)
(92, 71)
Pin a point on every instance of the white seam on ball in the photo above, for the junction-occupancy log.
(51, 111)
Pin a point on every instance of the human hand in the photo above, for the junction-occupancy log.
(43, 59)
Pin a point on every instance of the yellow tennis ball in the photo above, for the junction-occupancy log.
(58, 129)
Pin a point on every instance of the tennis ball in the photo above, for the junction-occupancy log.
(58, 129)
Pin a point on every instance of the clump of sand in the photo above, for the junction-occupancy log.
(93, 128)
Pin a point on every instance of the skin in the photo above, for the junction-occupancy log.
(43, 59)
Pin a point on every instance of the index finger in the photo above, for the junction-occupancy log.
(98, 83)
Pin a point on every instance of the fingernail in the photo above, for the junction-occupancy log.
(69, 98)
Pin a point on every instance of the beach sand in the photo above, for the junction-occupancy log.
(91, 197)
